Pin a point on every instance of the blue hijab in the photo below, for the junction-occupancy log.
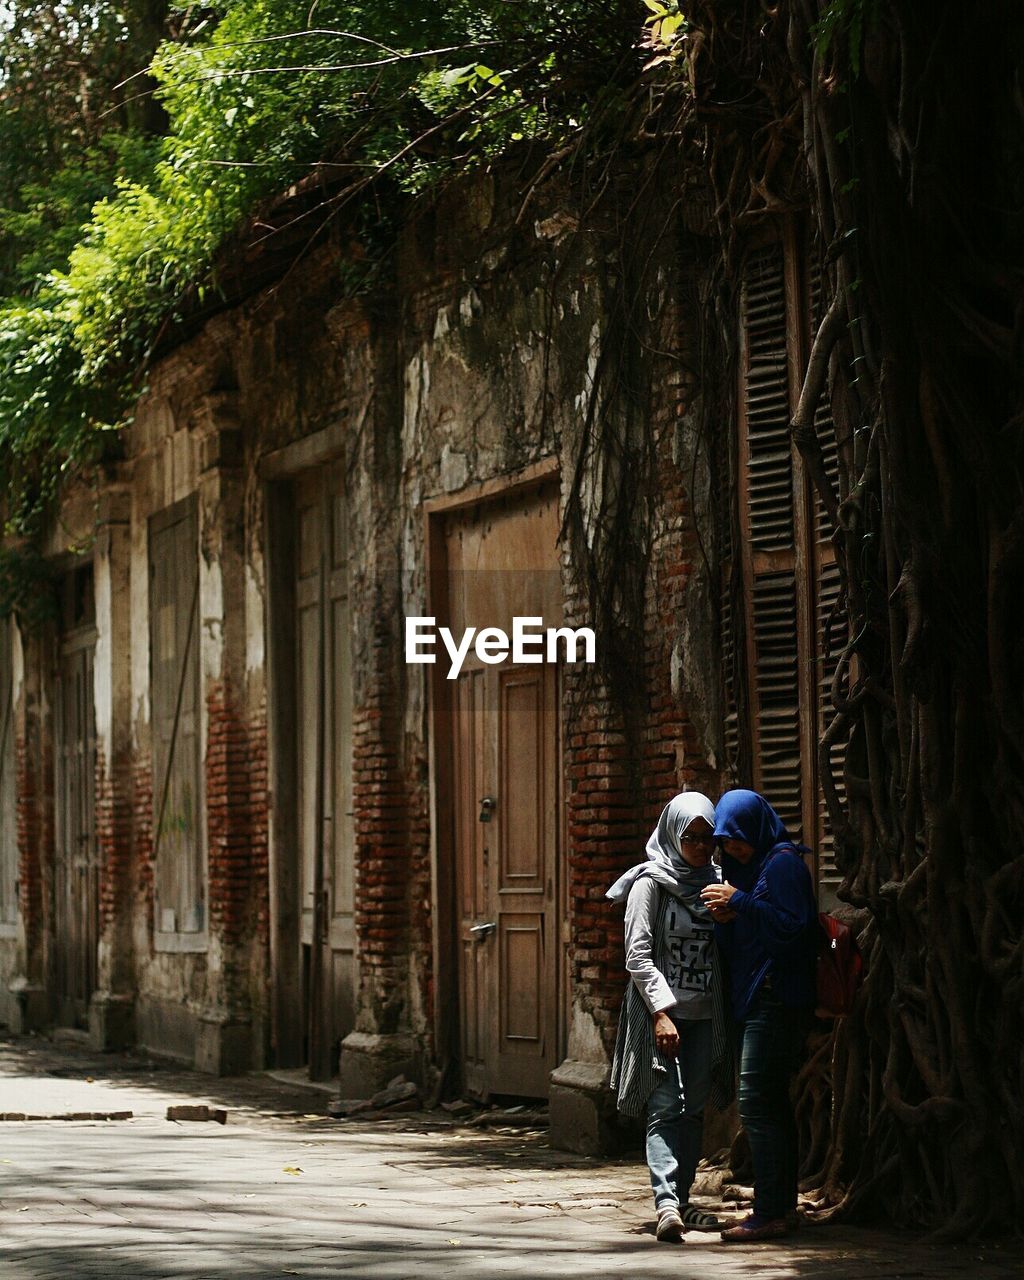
(784, 946)
(747, 816)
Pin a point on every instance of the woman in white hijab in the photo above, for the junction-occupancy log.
(665, 1049)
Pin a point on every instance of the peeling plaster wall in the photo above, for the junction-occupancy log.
(478, 359)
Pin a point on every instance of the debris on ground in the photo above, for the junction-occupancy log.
(460, 1107)
(216, 1114)
(511, 1118)
(401, 1095)
(712, 1175)
(398, 1095)
(68, 1115)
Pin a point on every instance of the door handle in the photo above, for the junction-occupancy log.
(481, 931)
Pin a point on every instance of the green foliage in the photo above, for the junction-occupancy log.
(108, 233)
(27, 587)
(44, 221)
(52, 418)
(666, 31)
(850, 20)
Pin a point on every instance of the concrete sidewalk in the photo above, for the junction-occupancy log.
(281, 1190)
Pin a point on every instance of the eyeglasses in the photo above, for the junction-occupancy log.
(708, 840)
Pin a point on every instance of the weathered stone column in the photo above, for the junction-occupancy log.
(224, 1039)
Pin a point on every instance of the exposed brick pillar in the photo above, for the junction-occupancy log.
(389, 789)
(381, 1044)
(111, 1011)
(229, 1037)
(604, 829)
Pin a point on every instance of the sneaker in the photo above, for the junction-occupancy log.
(670, 1224)
(754, 1228)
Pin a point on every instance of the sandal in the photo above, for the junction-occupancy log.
(695, 1219)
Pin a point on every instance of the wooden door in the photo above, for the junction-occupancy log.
(502, 562)
(76, 871)
(323, 684)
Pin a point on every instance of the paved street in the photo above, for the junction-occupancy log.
(282, 1190)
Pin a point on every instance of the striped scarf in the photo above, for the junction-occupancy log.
(637, 1066)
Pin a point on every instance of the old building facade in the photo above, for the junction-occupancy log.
(240, 828)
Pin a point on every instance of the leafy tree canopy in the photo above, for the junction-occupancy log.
(135, 140)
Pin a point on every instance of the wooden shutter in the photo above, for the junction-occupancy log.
(177, 782)
(8, 795)
(793, 619)
(730, 676)
(736, 763)
(831, 628)
(767, 523)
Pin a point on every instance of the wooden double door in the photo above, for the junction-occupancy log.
(501, 562)
(324, 826)
(76, 865)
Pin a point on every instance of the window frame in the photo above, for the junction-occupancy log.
(178, 940)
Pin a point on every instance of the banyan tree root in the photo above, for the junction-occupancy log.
(898, 128)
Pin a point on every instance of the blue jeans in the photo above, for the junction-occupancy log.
(675, 1114)
(773, 1037)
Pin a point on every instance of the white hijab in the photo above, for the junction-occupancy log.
(665, 862)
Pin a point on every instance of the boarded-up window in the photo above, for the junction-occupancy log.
(8, 794)
(788, 581)
(177, 780)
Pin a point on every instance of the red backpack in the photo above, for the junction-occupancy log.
(840, 966)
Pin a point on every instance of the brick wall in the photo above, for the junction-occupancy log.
(486, 402)
(113, 841)
(236, 817)
(622, 770)
(259, 823)
(392, 853)
(144, 878)
(33, 836)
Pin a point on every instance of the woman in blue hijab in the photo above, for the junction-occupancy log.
(766, 924)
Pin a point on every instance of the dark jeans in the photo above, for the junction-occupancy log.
(773, 1039)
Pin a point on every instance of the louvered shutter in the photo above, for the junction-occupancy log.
(794, 623)
(730, 657)
(730, 608)
(767, 519)
(831, 628)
